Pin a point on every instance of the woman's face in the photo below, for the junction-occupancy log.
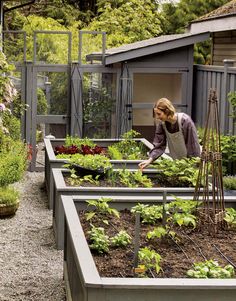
(160, 115)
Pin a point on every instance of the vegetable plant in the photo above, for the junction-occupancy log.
(100, 241)
(149, 214)
(121, 239)
(94, 162)
(210, 269)
(162, 233)
(183, 172)
(230, 217)
(101, 207)
(128, 148)
(150, 259)
(229, 182)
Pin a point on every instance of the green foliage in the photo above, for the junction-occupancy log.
(230, 217)
(128, 148)
(101, 207)
(42, 105)
(94, 162)
(232, 100)
(134, 179)
(210, 269)
(13, 160)
(183, 172)
(73, 140)
(12, 124)
(7, 90)
(228, 149)
(150, 259)
(100, 241)
(229, 182)
(75, 180)
(8, 195)
(121, 239)
(149, 214)
(126, 21)
(163, 233)
(176, 16)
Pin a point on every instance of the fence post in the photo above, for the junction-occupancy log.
(224, 106)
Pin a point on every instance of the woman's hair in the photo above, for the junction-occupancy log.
(164, 105)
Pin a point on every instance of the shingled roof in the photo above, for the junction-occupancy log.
(227, 9)
(220, 19)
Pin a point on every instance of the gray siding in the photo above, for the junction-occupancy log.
(221, 78)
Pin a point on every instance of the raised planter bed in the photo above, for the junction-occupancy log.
(52, 162)
(83, 281)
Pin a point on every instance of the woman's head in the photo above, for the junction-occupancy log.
(163, 109)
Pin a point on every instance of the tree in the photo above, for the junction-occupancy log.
(127, 21)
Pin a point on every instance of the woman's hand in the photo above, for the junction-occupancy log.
(145, 163)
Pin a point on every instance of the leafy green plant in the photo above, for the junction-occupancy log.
(183, 172)
(230, 217)
(229, 182)
(210, 269)
(75, 180)
(73, 140)
(100, 241)
(134, 179)
(232, 100)
(94, 162)
(149, 214)
(8, 195)
(163, 233)
(121, 239)
(128, 148)
(101, 207)
(150, 259)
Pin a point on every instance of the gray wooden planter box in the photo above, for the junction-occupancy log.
(119, 202)
(83, 282)
(60, 188)
(52, 162)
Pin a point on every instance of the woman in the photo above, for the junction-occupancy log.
(175, 129)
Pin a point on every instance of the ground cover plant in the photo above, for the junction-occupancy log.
(171, 242)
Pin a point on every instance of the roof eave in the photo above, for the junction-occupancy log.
(148, 50)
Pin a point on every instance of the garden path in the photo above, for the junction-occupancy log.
(31, 269)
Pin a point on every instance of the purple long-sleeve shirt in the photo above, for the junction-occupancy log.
(190, 137)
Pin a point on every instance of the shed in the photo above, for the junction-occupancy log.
(151, 69)
(221, 22)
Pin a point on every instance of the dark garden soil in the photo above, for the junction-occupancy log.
(195, 245)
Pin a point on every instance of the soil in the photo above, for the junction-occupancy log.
(195, 245)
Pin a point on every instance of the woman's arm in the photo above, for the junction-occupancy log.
(190, 137)
(159, 142)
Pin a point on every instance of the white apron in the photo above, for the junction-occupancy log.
(175, 141)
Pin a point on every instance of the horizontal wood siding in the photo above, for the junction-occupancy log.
(224, 47)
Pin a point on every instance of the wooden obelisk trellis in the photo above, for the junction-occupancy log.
(210, 181)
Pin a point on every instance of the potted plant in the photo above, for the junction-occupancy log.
(9, 201)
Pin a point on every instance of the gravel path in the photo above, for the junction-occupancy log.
(31, 269)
